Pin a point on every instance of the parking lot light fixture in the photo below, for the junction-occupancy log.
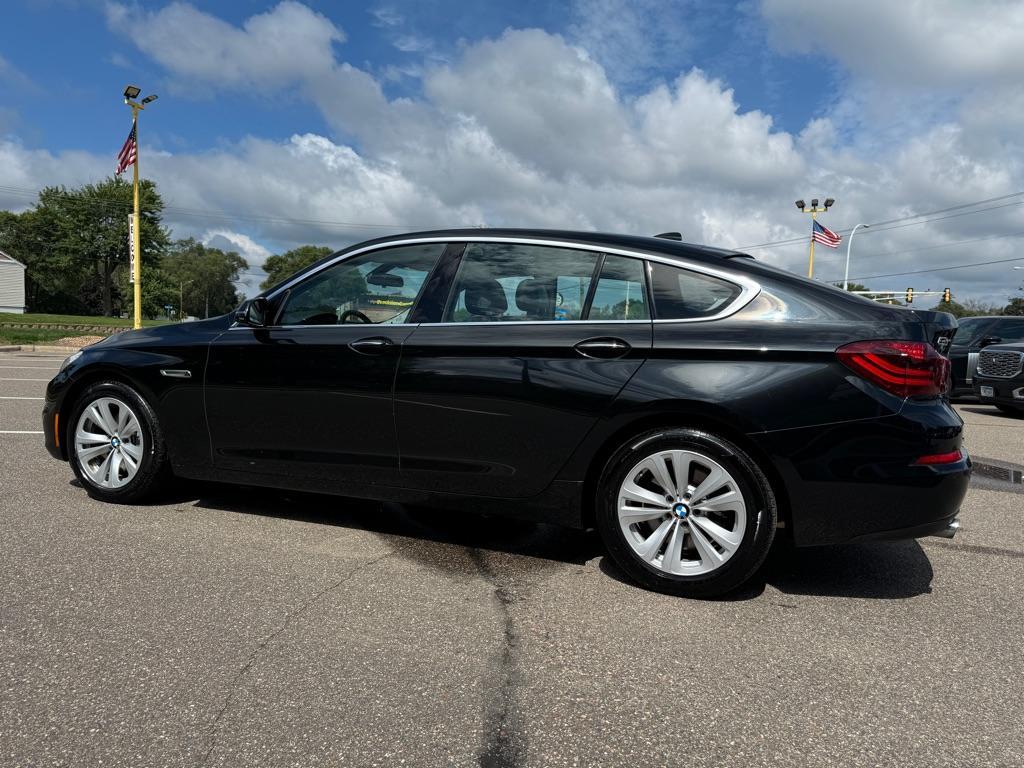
(849, 245)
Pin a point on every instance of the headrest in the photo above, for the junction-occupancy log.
(533, 298)
(486, 297)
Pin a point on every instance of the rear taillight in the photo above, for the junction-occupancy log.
(950, 457)
(905, 368)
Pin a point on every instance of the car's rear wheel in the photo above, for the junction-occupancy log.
(686, 512)
(115, 443)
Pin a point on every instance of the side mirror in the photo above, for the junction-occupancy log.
(253, 312)
(990, 340)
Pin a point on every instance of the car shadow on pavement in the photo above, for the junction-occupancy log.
(991, 410)
(875, 570)
(439, 526)
(889, 570)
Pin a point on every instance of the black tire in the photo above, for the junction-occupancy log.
(1010, 410)
(759, 500)
(153, 469)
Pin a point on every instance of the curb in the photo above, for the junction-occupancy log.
(40, 348)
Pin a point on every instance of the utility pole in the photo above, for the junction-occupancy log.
(849, 245)
(130, 93)
(814, 210)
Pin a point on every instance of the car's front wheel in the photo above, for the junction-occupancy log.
(686, 512)
(115, 443)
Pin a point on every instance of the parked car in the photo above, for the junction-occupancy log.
(690, 403)
(999, 380)
(972, 336)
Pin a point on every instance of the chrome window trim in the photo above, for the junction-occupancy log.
(749, 289)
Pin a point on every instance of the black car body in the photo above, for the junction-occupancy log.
(514, 389)
(972, 336)
(999, 378)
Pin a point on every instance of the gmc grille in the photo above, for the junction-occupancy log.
(1000, 365)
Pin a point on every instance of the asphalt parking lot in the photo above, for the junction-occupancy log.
(227, 626)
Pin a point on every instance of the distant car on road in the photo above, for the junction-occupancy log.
(999, 380)
(972, 336)
(689, 403)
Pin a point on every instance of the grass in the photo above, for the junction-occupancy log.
(7, 319)
(37, 335)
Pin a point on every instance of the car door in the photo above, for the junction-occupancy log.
(310, 395)
(530, 348)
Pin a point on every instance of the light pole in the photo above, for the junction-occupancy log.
(814, 210)
(849, 245)
(132, 92)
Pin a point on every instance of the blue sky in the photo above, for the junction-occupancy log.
(280, 123)
(85, 65)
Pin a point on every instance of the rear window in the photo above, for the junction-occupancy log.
(681, 294)
(1008, 330)
(969, 329)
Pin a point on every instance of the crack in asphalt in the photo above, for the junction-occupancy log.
(506, 744)
(263, 644)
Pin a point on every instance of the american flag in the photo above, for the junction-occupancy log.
(825, 236)
(129, 153)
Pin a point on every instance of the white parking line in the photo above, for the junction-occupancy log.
(13, 397)
(21, 431)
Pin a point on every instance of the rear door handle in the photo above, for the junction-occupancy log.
(373, 345)
(605, 348)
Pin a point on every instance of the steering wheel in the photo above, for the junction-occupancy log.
(354, 313)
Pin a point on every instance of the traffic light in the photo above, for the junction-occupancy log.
(945, 295)
(910, 295)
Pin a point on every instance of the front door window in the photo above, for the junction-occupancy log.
(376, 287)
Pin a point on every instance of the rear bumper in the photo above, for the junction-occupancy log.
(1004, 391)
(858, 480)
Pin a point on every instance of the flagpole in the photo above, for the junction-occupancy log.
(810, 264)
(137, 267)
(814, 210)
(132, 92)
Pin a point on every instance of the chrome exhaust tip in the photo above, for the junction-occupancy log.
(950, 530)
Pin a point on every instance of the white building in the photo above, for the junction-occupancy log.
(12, 284)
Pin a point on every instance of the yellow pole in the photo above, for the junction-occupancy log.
(137, 270)
(810, 265)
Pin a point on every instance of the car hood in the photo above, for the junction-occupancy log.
(172, 333)
(1017, 346)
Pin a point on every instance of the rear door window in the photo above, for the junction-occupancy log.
(620, 293)
(682, 294)
(509, 282)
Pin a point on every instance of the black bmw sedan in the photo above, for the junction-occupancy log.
(691, 404)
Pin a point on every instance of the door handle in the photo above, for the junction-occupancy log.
(373, 345)
(605, 349)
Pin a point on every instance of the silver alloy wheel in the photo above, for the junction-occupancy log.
(682, 512)
(108, 443)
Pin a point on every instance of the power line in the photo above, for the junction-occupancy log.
(935, 269)
(880, 226)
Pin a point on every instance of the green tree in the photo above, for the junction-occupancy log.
(83, 233)
(1015, 307)
(284, 265)
(969, 308)
(204, 278)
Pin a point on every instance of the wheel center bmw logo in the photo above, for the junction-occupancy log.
(114, 442)
(681, 510)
